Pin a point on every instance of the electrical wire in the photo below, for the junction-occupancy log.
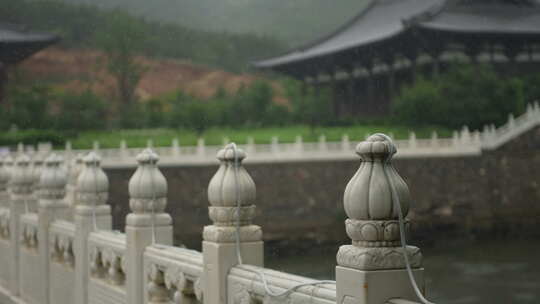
(397, 205)
(261, 274)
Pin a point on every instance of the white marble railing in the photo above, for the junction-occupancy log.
(107, 267)
(29, 258)
(68, 253)
(462, 143)
(245, 285)
(62, 261)
(173, 274)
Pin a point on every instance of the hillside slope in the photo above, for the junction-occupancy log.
(81, 69)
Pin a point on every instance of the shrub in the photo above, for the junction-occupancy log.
(466, 95)
(84, 111)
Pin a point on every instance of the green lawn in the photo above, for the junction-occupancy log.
(214, 136)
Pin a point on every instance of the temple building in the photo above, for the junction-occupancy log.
(389, 43)
(17, 44)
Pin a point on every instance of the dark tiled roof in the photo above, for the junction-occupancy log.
(385, 19)
(16, 43)
(487, 19)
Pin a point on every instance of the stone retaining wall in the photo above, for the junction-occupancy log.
(496, 192)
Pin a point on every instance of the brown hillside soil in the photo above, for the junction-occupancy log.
(79, 70)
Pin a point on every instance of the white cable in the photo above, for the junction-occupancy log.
(153, 203)
(397, 205)
(94, 220)
(269, 292)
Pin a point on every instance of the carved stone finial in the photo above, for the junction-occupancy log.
(4, 176)
(37, 168)
(53, 179)
(370, 205)
(92, 184)
(21, 179)
(147, 186)
(229, 187)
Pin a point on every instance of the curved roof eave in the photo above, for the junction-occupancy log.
(381, 20)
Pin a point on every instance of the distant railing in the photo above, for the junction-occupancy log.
(462, 143)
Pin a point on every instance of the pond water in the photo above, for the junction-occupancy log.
(505, 271)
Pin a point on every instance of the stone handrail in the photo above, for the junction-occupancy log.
(29, 231)
(4, 223)
(173, 270)
(61, 243)
(83, 261)
(246, 286)
(107, 257)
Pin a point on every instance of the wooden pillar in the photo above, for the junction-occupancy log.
(436, 68)
(352, 98)
(370, 84)
(3, 80)
(334, 94)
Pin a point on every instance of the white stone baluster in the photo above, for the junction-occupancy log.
(147, 223)
(150, 143)
(20, 189)
(322, 144)
(250, 145)
(20, 148)
(8, 163)
(123, 150)
(511, 121)
(298, 144)
(95, 146)
(274, 145)
(52, 190)
(175, 147)
(434, 140)
(412, 140)
(455, 139)
(465, 136)
(201, 149)
(229, 188)
(476, 138)
(345, 143)
(77, 165)
(91, 213)
(536, 107)
(37, 168)
(372, 270)
(4, 180)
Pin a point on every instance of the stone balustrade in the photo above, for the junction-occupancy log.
(63, 250)
(462, 143)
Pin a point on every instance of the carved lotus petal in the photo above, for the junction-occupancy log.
(368, 195)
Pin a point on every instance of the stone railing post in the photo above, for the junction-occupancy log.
(250, 145)
(201, 148)
(75, 169)
(147, 223)
(322, 143)
(123, 150)
(37, 168)
(345, 143)
(372, 269)
(412, 140)
(90, 214)
(299, 144)
(274, 144)
(51, 205)
(229, 188)
(20, 190)
(95, 146)
(8, 163)
(4, 180)
(175, 146)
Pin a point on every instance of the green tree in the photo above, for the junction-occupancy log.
(469, 95)
(122, 39)
(84, 111)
